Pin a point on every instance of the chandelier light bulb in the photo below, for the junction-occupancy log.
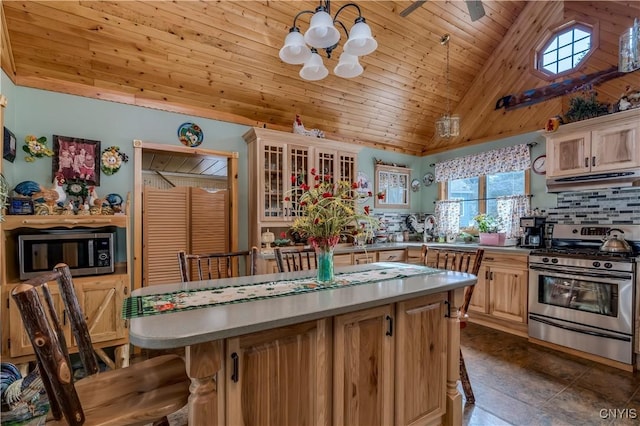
(348, 66)
(360, 41)
(294, 51)
(314, 69)
(322, 33)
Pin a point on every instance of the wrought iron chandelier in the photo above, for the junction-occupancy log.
(448, 125)
(323, 34)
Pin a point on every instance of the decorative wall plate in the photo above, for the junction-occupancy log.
(190, 134)
(415, 185)
(428, 179)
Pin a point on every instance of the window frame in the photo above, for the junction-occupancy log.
(443, 190)
(554, 31)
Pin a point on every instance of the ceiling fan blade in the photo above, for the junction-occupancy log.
(412, 7)
(476, 9)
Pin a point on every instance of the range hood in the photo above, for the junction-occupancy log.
(618, 179)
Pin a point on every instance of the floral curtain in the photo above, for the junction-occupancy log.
(510, 209)
(508, 159)
(447, 215)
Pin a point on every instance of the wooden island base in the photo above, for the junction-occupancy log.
(391, 364)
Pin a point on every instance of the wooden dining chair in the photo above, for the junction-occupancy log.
(462, 261)
(142, 393)
(207, 266)
(290, 260)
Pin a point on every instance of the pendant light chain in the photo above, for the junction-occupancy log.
(445, 41)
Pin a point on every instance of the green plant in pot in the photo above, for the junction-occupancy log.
(585, 106)
(486, 223)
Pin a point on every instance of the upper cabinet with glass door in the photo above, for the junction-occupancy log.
(392, 187)
(279, 163)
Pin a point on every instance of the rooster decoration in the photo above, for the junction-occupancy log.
(298, 128)
(22, 398)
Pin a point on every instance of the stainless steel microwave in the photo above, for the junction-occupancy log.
(86, 253)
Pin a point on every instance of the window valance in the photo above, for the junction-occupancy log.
(507, 159)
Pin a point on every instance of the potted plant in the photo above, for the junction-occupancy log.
(585, 106)
(488, 227)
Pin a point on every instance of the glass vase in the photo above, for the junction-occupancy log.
(324, 257)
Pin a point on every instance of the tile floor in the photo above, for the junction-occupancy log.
(519, 383)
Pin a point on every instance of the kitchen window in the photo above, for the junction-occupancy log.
(484, 183)
(565, 49)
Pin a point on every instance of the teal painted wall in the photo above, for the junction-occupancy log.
(44, 113)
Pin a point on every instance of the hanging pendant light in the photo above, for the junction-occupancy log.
(448, 125)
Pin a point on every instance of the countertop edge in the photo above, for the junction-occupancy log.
(355, 298)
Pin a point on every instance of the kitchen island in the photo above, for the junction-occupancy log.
(384, 352)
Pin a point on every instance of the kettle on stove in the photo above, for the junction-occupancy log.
(615, 244)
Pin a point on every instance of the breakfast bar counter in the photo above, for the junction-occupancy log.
(343, 354)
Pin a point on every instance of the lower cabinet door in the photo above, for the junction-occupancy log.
(101, 301)
(363, 367)
(421, 361)
(20, 344)
(280, 376)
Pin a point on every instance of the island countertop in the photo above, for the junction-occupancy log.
(190, 327)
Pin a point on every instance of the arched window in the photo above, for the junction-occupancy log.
(565, 49)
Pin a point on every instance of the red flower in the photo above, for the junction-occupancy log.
(327, 178)
(316, 177)
(366, 209)
(287, 199)
(313, 171)
(304, 187)
(316, 186)
(283, 234)
(303, 203)
(293, 179)
(316, 220)
(380, 195)
(355, 185)
(369, 193)
(327, 195)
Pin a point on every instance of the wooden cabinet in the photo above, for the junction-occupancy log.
(280, 376)
(278, 163)
(390, 364)
(421, 361)
(602, 144)
(100, 297)
(363, 367)
(500, 296)
(414, 255)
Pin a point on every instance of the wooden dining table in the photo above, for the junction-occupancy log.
(202, 331)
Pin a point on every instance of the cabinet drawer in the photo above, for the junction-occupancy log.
(342, 259)
(391, 256)
(361, 259)
(518, 261)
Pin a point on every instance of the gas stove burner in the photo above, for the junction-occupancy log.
(581, 252)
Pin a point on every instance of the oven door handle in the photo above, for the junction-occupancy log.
(582, 272)
(578, 330)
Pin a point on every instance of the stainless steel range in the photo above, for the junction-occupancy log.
(582, 297)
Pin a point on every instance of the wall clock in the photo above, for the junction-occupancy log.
(539, 165)
(415, 185)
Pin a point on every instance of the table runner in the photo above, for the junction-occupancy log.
(153, 304)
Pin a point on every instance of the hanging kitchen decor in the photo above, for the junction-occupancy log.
(448, 125)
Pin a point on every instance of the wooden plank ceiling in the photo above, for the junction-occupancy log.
(220, 60)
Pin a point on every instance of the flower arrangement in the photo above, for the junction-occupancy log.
(111, 160)
(35, 148)
(487, 223)
(282, 241)
(329, 211)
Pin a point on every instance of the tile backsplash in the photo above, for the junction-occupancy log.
(604, 206)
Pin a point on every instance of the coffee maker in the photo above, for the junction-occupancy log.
(533, 227)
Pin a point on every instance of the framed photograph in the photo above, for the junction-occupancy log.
(9, 147)
(77, 159)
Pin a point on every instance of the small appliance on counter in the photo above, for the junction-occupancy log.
(533, 227)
